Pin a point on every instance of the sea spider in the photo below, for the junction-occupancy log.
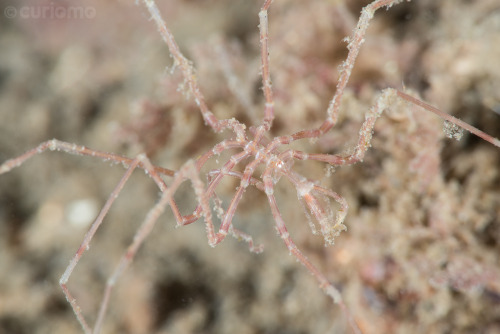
(255, 149)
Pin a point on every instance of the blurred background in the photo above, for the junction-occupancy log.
(421, 250)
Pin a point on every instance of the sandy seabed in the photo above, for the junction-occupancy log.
(421, 252)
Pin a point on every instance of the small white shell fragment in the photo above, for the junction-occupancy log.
(81, 213)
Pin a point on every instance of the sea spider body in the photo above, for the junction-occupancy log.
(256, 149)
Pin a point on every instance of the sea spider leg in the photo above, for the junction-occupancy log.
(240, 235)
(139, 237)
(86, 242)
(217, 150)
(355, 43)
(250, 148)
(216, 238)
(266, 125)
(266, 77)
(344, 207)
(200, 162)
(364, 139)
(353, 46)
(142, 162)
(309, 193)
(245, 181)
(324, 284)
(57, 145)
(236, 233)
(253, 181)
(187, 172)
(319, 213)
(218, 125)
(449, 118)
(193, 217)
(210, 119)
(214, 182)
(365, 134)
(190, 77)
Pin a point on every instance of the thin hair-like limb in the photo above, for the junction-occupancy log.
(450, 118)
(58, 145)
(86, 244)
(324, 283)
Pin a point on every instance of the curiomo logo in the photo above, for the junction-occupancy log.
(50, 11)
